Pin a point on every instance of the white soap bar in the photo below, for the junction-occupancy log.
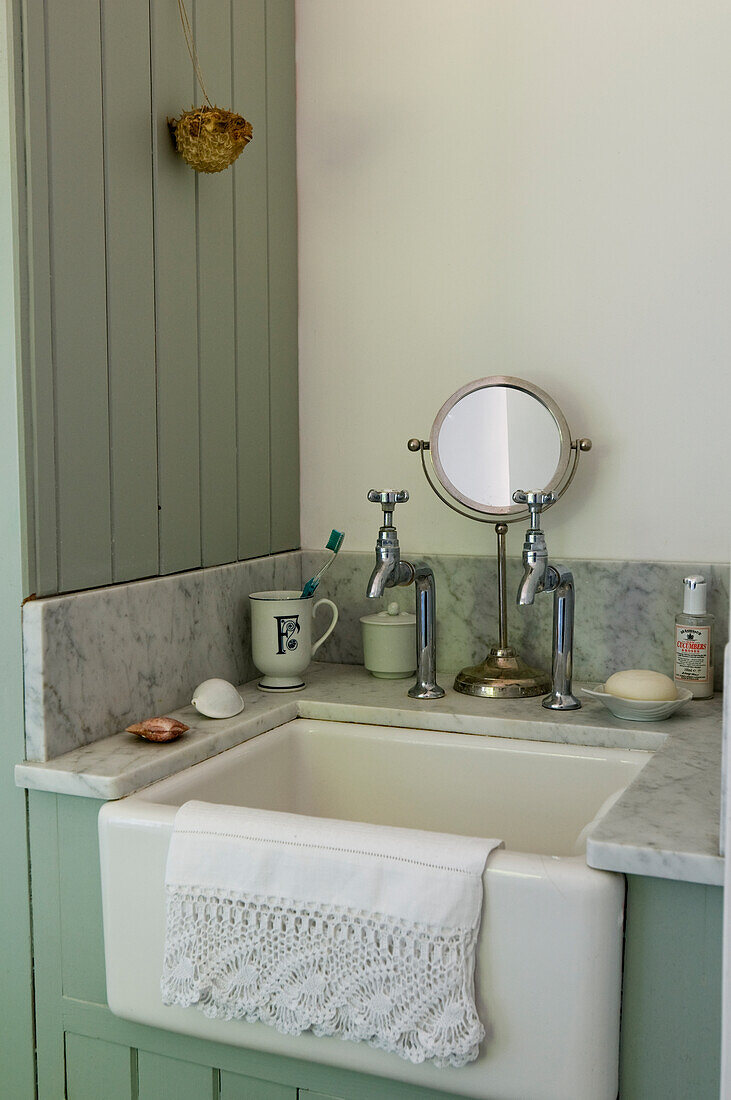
(641, 683)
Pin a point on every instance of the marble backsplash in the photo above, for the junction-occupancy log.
(97, 660)
(625, 611)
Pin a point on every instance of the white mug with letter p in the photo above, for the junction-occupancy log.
(281, 636)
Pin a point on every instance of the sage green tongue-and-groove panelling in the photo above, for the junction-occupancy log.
(671, 1024)
(17, 1069)
(161, 318)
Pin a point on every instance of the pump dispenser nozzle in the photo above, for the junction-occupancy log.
(694, 595)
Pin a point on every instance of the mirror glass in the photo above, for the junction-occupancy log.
(493, 439)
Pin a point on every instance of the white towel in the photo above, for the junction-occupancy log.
(363, 931)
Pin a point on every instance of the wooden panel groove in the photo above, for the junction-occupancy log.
(130, 287)
(216, 310)
(41, 393)
(77, 232)
(198, 343)
(282, 272)
(153, 136)
(17, 1047)
(19, 286)
(134, 1071)
(47, 944)
(176, 302)
(234, 280)
(248, 43)
(106, 151)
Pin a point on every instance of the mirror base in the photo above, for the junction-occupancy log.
(502, 675)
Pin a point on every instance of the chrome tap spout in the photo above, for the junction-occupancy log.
(535, 568)
(390, 571)
(378, 581)
(539, 575)
(535, 551)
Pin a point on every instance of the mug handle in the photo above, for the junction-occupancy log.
(330, 629)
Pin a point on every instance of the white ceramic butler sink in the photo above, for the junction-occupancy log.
(549, 952)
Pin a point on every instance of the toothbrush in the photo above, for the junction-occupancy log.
(333, 543)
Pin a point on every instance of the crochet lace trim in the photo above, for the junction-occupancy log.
(402, 987)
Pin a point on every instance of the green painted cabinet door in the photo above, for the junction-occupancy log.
(236, 1087)
(671, 997)
(670, 1048)
(159, 1077)
(96, 1068)
(305, 1094)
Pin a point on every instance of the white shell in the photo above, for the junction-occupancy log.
(217, 699)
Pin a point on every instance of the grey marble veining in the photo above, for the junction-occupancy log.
(96, 661)
(625, 611)
(121, 763)
(665, 824)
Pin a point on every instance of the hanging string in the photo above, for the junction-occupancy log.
(190, 43)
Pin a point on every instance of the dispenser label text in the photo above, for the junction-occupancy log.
(692, 653)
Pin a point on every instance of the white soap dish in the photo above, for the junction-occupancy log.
(640, 710)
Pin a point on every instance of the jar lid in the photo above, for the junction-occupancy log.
(392, 616)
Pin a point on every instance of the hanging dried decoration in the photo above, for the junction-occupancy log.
(208, 138)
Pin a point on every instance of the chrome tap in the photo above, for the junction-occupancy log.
(390, 571)
(535, 551)
(539, 575)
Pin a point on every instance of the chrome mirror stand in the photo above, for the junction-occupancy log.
(503, 673)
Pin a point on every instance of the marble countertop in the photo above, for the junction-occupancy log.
(666, 824)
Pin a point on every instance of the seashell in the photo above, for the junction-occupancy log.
(158, 729)
(217, 699)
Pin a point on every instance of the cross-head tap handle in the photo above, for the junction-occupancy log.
(388, 499)
(536, 500)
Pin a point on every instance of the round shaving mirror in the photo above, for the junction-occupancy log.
(491, 437)
(497, 435)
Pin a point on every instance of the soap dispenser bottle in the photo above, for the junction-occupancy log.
(694, 640)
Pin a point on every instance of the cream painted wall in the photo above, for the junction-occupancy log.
(531, 188)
